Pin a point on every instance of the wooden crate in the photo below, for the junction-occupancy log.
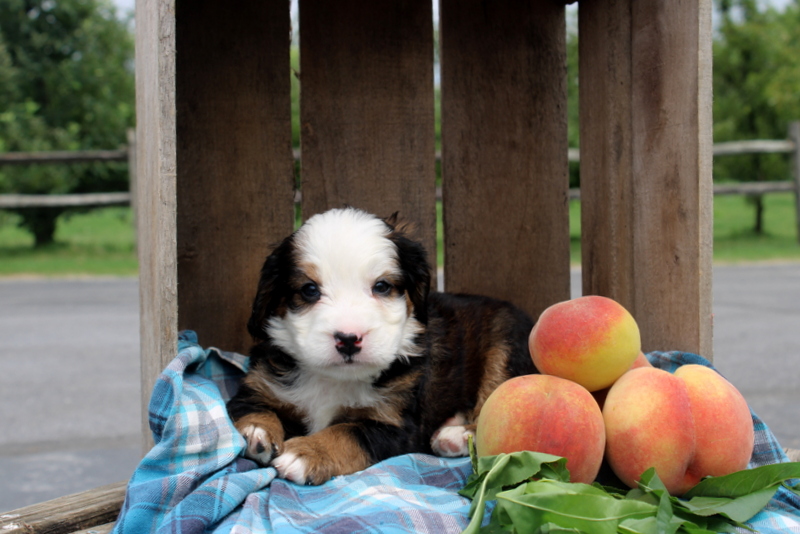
(215, 167)
(217, 174)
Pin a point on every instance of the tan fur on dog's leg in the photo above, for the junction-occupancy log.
(314, 459)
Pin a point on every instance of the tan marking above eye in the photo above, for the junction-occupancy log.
(308, 270)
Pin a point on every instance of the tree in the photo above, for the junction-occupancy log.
(66, 83)
(756, 79)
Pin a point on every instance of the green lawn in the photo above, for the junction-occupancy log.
(734, 239)
(102, 241)
(99, 242)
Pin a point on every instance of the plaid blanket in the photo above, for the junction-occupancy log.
(195, 479)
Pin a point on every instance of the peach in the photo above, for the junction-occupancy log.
(600, 394)
(723, 424)
(687, 425)
(590, 340)
(548, 414)
(641, 361)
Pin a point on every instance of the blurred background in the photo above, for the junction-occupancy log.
(69, 412)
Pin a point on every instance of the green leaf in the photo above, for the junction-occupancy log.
(587, 510)
(645, 525)
(653, 490)
(496, 473)
(534, 494)
(746, 481)
(507, 470)
(551, 528)
(739, 509)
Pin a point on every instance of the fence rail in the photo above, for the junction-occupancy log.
(67, 201)
(757, 146)
(63, 156)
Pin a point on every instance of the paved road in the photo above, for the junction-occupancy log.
(69, 386)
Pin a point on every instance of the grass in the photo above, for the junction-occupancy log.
(98, 242)
(102, 241)
(734, 238)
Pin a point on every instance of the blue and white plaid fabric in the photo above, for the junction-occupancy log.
(194, 479)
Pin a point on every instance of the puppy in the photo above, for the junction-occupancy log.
(356, 361)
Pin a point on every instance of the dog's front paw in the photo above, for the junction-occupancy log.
(263, 433)
(293, 467)
(314, 459)
(303, 462)
(452, 441)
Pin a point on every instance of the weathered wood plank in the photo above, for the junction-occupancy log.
(672, 169)
(67, 514)
(504, 153)
(607, 196)
(646, 165)
(794, 136)
(367, 110)
(235, 166)
(63, 156)
(83, 199)
(754, 188)
(156, 169)
(132, 182)
(754, 146)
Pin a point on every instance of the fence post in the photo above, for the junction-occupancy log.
(131, 133)
(794, 135)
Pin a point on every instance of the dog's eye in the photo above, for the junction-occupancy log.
(310, 292)
(382, 288)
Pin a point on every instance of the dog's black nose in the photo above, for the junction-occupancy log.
(347, 345)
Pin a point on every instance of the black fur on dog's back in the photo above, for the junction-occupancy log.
(474, 342)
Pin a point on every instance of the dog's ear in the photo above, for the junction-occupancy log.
(272, 288)
(416, 269)
(391, 220)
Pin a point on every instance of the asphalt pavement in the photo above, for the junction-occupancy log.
(69, 385)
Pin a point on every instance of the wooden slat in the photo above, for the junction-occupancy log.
(646, 165)
(67, 514)
(754, 188)
(63, 156)
(235, 165)
(133, 188)
(83, 199)
(156, 168)
(672, 166)
(367, 109)
(794, 136)
(755, 146)
(607, 196)
(504, 153)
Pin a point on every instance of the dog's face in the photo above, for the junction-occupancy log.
(344, 296)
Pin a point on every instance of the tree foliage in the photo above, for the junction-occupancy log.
(756, 82)
(66, 83)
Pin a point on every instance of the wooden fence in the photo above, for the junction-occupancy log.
(123, 154)
(128, 154)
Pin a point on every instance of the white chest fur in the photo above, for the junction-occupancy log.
(321, 399)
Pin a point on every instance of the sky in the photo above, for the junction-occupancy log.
(125, 5)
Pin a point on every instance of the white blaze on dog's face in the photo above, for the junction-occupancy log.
(348, 318)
